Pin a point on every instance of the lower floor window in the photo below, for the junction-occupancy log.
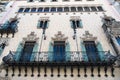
(59, 51)
(91, 51)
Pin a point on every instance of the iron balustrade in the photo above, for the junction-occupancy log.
(71, 58)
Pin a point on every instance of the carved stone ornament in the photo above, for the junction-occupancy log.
(75, 18)
(31, 37)
(59, 37)
(88, 37)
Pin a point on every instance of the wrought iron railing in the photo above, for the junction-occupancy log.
(67, 57)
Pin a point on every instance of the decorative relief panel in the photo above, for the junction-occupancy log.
(31, 37)
(59, 37)
(88, 37)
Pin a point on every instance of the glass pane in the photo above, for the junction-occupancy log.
(100, 8)
(33, 10)
(86, 9)
(66, 9)
(80, 8)
(53, 9)
(93, 9)
(21, 10)
(40, 9)
(73, 9)
(27, 10)
(46, 9)
(59, 9)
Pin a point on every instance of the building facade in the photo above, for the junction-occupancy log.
(60, 39)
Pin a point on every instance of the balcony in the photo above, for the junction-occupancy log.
(74, 58)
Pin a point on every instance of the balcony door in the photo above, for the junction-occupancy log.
(59, 51)
(91, 51)
(27, 51)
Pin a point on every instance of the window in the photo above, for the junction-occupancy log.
(53, 9)
(40, 9)
(65, 0)
(93, 8)
(33, 10)
(86, 8)
(21, 10)
(27, 10)
(59, 51)
(42, 0)
(54, 0)
(80, 8)
(118, 40)
(76, 24)
(92, 51)
(100, 8)
(73, 9)
(42, 24)
(46, 9)
(27, 51)
(66, 9)
(59, 9)
(78, 0)
(30, 0)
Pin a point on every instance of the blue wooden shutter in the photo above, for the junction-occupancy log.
(81, 25)
(50, 53)
(47, 24)
(84, 55)
(100, 51)
(18, 52)
(35, 50)
(1, 50)
(38, 25)
(68, 56)
(71, 23)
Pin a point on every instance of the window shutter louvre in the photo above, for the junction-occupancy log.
(81, 25)
(67, 54)
(50, 54)
(34, 52)
(18, 52)
(100, 51)
(84, 55)
(38, 25)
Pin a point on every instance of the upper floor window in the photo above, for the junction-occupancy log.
(78, 0)
(93, 8)
(42, 0)
(66, 9)
(100, 8)
(53, 9)
(54, 0)
(30, 0)
(21, 10)
(65, 0)
(90, 0)
(59, 9)
(76, 23)
(73, 9)
(27, 10)
(86, 8)
(80, 8)
(42, 24)
(46, 9)
(40, 9)
(33, 10)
